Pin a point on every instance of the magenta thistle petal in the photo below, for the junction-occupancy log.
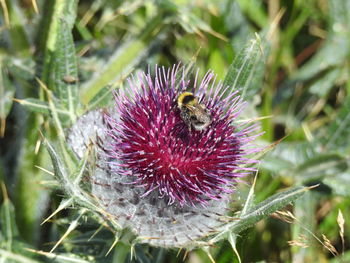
(150, 142)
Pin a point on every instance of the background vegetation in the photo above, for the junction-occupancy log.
(297, 78)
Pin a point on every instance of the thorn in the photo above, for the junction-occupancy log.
(178, 253)
(37, 146)
(113, 245)
(185, 255)
(132, 251)
(17, 100)
(232, 241)
(60, 208)
(42, 135)
(206, 250)
(95, 233)
(71, 227)
(44, 170)
(312, 187)
(254, 119)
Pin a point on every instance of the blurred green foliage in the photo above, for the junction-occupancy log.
(59, 58)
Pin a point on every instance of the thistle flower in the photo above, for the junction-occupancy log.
(167, 182)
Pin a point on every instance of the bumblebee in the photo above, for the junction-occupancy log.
(193, 113)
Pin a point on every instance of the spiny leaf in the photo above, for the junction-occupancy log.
(261, 211)
(64, 75)
(70, 182)
(60, 61)
(244, 65)
(60, 171)
(39, 106)
(267, 207)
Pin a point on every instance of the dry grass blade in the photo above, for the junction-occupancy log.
(285, 216)
(301, 241)
(328, 245)
(35, 6)
(2, 127)
(341, 223)
(6, 12)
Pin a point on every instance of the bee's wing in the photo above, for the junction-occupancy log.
(190, 107)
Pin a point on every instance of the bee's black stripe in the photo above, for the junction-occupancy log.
(187, 99)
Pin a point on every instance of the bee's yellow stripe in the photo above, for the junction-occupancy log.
(182, 97)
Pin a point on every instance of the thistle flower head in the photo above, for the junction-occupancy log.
(155, 173)
(153, 144)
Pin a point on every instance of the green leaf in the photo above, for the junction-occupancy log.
(19, 42)
(261, 211)
(345, 257)
(8, 226)
(7, 91)
(338, 130)
(102, 98)
(322, 165)
(305, 210)
(255, 11)
(266, 208)
(241, 71)
(324, 83)
(60, 71)
(21, 68)
(63, 258)
(303, 162)
(335, 50)
(124, 59)
(70, 180)
(188, 19)
(64, 75)
(40, 106)
(29, 193)
(236, 21)
(60, 170)
(14, 257)
(339, 183)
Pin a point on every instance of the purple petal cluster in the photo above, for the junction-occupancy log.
(149, 141)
